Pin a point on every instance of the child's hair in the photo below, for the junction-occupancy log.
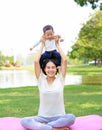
(47, 27)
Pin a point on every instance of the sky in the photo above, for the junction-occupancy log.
(21, 22)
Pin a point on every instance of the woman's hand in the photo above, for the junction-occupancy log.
(42, 40)
(57, 38)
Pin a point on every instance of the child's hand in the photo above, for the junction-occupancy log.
(31, 49)
(61, 40)
(58, 38)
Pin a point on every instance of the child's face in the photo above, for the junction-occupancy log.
(49, 34)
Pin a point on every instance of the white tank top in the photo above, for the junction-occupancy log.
(51, 97)
(50, 45)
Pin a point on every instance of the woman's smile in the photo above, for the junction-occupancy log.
(50, 69)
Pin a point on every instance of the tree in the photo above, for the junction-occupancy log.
(94, 3)
(89, 43)
(2, 59)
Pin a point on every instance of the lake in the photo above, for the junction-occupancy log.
(22, 78)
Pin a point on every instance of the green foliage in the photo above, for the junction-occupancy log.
(2, 59)
(89, 43)
(94, 3)
(75, 61)
(11, 59)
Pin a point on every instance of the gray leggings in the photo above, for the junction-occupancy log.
(37, 122)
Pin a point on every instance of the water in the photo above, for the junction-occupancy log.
(20, 78)
(16, 78)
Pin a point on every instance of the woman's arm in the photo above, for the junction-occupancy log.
(37, 67)
(63, 59)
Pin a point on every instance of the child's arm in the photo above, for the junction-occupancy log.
(59, 37)
(43, 39)
(35, 45)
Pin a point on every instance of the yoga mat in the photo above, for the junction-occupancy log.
(89, 122)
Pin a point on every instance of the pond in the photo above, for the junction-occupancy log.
(20, 78)
(16, 78)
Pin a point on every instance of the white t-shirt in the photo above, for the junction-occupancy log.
(51, 96)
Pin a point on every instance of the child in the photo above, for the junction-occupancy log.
(50, 44)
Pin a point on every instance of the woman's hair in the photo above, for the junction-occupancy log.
(44, 61)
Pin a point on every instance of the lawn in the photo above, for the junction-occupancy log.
(84, 70)
(79, 99)
(24, 101)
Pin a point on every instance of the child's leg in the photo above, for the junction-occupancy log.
(63, 121)
(33, 123)
(57, 56)
(44, 56)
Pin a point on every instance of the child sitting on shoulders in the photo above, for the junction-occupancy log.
(50, 41)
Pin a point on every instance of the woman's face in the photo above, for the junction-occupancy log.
(50, 69)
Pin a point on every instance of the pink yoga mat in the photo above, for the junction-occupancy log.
(90, 122)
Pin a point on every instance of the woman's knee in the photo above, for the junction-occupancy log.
(23, 121)
(72, 118)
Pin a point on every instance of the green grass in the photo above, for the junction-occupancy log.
(85, 70)
(79, 99)
(24, 101)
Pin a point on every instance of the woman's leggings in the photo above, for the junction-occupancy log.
(47, 123)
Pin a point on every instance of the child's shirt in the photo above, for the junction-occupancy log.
(50, 45)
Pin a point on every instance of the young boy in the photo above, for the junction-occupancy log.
(50, 44)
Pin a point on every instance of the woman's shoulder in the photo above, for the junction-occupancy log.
(60, 76)
(41, 77)
(41, 80)
(60, 79)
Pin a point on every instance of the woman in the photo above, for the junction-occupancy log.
(51, 114)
